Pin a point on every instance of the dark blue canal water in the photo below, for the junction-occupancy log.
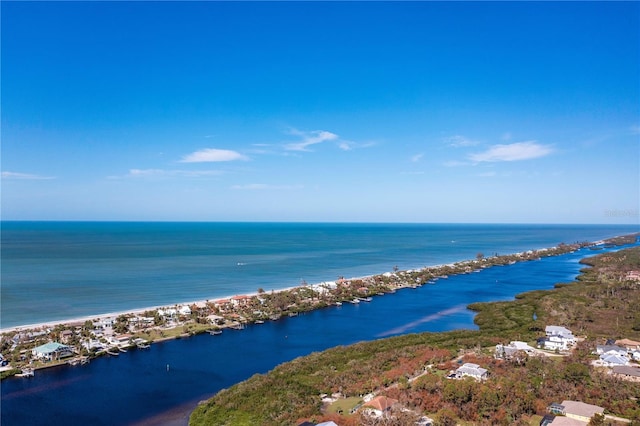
(137, 388)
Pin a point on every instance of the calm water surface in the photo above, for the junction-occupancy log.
(61, 270)
(136, 388)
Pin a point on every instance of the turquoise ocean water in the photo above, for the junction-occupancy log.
(69, 269)
(60, 270)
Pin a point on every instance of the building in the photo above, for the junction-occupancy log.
(631, 345)
(555, 342)
(611, 359)
(471, 370)
(555, 330)
(611, 349)
(626, 372)
(580, 411)
(51, 351)
(379, 406)
(510, 350)
(566, 421)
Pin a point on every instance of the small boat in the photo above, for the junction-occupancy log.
(366, 299)
(143, 346)
(123, 350)
(293, 314)
(26, 372)
(215, 332)
(274, 317)
(355, 301)
(238, 326)
(110, 352)
(338, 303)
(259, 322)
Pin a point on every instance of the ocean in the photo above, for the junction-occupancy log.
(161, 385)
(61, 270)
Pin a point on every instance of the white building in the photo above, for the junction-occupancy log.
(507, 351)
(471, 370)
(557, 338)
(52, 350)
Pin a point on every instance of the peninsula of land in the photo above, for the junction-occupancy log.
(25, 349)
(566, 356)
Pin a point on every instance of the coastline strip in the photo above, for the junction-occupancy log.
(495, 260)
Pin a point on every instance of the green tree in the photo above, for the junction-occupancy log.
(597, 420)
(445, 417)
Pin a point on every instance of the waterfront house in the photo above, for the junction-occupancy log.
(184, 310)
(121, 340)
(223, 304)
(51, 351)
(471, 370)
(215, 319)
(104, 323)
(28, 337)
(580, 411)
(241, 300)
(168, 312)
(93, 345)
(66, 336)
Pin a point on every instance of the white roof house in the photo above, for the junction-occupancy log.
(471, 370)
(507, 351)
(611, 359)
(555, 330)
(555, 342)
(604, 349)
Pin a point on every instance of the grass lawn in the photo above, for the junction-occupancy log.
(344, 406)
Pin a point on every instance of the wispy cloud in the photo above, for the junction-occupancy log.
(459, 141)
(161, 173)
(264, 186)
(512, 152)
(345, 145)
(416, 158)
(212, 155)
(308, 138)
(24, 176)
(456, 163)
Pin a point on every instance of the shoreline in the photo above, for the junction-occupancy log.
(137, 311)
(236, 311)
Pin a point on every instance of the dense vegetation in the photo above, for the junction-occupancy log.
(602, 304)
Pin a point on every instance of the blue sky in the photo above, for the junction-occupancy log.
(321, 111)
